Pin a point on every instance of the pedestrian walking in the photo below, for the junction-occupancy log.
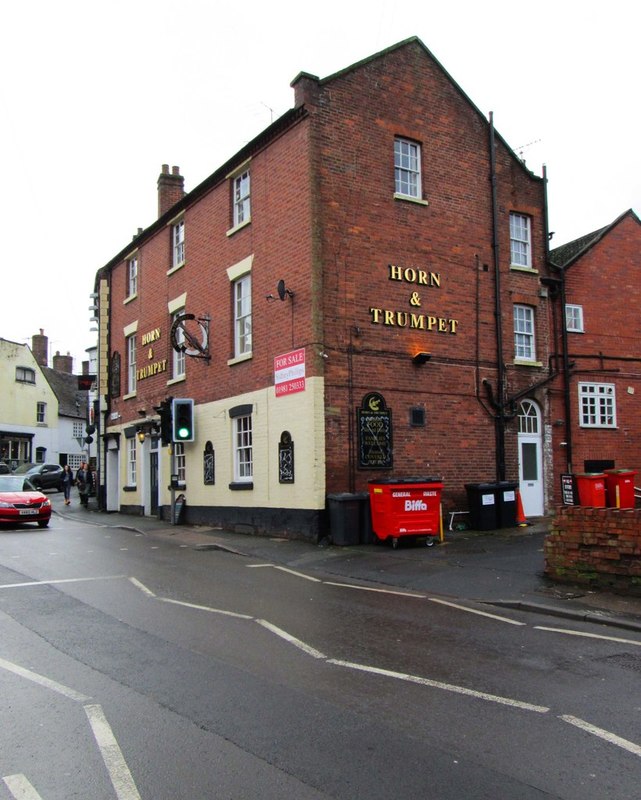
(82, 478)
(67, 482)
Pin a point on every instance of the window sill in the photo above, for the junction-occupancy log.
(129, 298)
(239, 359)
(419, 201)
(239, 227)
(521, 362)
(175, 268)
(521, 268)
(179, 379)
(129, 396)
(129, 488)
(239, 487)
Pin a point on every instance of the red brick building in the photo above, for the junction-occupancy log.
(596, 411)
(366, 281)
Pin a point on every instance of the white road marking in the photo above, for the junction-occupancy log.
(142, 587)
(475, 611)
(20, 788)
(60, 580)
(311, 651)
(34, 677)
(607, 736)
(373, 589)
(299, 574)
(402, 676)
(205, 608)
(119, 774)
(569, 632)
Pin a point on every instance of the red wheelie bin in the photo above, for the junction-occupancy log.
(406, 507)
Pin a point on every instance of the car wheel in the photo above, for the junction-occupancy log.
(43, 523)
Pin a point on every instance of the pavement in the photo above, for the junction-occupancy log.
(501, 568)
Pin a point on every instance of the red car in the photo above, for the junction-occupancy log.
(20, 502)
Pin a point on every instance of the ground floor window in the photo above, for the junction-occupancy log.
(131, 462)
(243, 451)
(179, 461)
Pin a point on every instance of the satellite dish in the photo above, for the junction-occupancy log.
(281, 289)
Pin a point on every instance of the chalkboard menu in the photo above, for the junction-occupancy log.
(568, 492)
(286, 458)
(374, 428)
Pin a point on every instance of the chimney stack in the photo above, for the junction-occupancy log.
(63, 363)
(171, 188)
(40, 348)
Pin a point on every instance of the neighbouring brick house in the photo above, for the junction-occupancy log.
(596, 410)
(365, 277)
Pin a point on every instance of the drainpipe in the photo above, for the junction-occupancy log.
(500, 391)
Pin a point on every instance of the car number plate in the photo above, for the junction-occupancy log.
(27, 512)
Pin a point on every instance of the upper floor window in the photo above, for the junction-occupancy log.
(131, 364)
(520, 241)
(407, 168)
(574, 318)
(597, 405)
(242, 201)
(41, 412)
(178, 243)
(132, 276)
(25, 375)
(78, 430)
(524, 345)
(178, 356)
(242, 316)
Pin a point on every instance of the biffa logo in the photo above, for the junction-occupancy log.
(415, 505)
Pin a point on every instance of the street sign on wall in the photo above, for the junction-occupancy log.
(289, 372)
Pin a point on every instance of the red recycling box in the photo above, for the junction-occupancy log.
(619, 487)
(405, 507)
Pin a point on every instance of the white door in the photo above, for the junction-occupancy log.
(530, 459)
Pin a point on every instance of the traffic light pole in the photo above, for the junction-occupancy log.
(172, 467)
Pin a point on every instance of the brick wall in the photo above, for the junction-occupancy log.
(596, 546)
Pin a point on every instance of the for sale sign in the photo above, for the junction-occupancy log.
(289, 372)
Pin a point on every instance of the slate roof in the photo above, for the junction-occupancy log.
(71, 401)
(567, 254)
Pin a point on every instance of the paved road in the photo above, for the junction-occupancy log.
(135, 665)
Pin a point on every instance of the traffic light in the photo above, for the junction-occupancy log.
(182, 411)
(164, 410)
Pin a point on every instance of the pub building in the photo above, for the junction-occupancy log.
(357, 294)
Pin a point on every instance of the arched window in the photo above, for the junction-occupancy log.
(528, 417)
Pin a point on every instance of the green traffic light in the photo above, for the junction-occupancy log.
(183, 433)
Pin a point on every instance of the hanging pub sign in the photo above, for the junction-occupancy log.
(374, 429)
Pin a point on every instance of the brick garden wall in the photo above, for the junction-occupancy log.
(599, 547)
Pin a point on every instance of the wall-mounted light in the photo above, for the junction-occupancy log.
(141, 436)
(421, 358)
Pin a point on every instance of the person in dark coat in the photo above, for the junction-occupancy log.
(82, 482)
(67, 482)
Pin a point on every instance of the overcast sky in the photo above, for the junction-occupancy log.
(95, 97)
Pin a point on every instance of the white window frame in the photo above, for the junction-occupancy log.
(131, 364)
(78, 430)
(41, 412)
(132, 475)
(408, 180)
(242, 198)
(524, 333)
(597, 405)
(520, 240)
(179, 359)
(178, 243)
(243, 449)
(242, 289)
(132, 276)
(574, 318)
(180, 462)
